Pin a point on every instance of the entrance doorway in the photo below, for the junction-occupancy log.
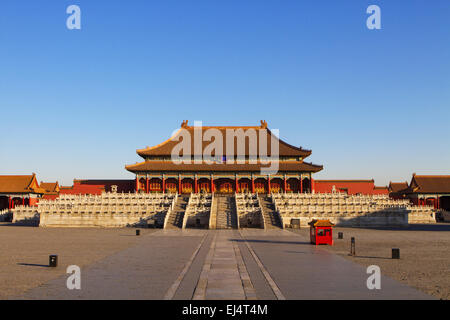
(224, 185)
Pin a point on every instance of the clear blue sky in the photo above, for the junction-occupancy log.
(369, 103)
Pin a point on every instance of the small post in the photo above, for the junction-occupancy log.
(138, 232)
(53, 261)
(352, 247)
(395, 253)
(340, 235)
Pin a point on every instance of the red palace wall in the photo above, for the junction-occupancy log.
(349, 187)
(78, 189)
(381, 190)
(98, 186)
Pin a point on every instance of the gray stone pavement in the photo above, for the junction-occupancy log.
(143, 271)
(304, 271)
(224, 264)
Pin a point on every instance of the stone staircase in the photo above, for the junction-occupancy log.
(175, 219)
(226, 212)
(271, 218)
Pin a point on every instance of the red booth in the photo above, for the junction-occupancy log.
(321, 232)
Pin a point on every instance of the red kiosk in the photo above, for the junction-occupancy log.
(321, 232)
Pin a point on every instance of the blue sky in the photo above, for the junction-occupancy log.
(369, 103)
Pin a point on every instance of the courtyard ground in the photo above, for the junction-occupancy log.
(219, 264)
(424, 254)
(24, 252)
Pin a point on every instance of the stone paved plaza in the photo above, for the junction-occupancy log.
(198, 264)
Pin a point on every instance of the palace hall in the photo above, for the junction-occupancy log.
(158, 173)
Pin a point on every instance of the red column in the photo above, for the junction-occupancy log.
(268, 184)
(312, 185)
(212, 184)
(253, 185)
(23, 201)
(195, 185)
(179, 184)
(137, 184)
(164, 184)
(147, 185)
(301, 185)
(237, 184)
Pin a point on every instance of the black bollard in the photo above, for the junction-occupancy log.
(352, 247)
(138, 232)
(395, 253)
(340, 235)
(53, 261)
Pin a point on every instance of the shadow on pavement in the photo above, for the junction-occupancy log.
(412, 227)
(10, 224)
(33, 265)
(369, 257)
(271, 241)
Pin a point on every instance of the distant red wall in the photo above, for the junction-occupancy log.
(82, 189)
(349, 187)
(92, 186)
(381, 190)
(95, 187)
(122, 185)
(50, 196)
(33, 202)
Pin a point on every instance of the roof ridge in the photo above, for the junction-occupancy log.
(16, 175)
(354, 180)
(432, 176)
(185, 125)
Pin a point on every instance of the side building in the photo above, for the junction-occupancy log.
(19, 190)
(424, 190)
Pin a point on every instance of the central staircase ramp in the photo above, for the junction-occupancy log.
(226, 217)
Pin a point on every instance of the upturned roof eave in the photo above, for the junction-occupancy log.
(156, 150)
(139, 167)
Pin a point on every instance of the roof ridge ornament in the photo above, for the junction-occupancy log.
(264, 124)
(184, 124)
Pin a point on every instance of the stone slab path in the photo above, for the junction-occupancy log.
(224, 275)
